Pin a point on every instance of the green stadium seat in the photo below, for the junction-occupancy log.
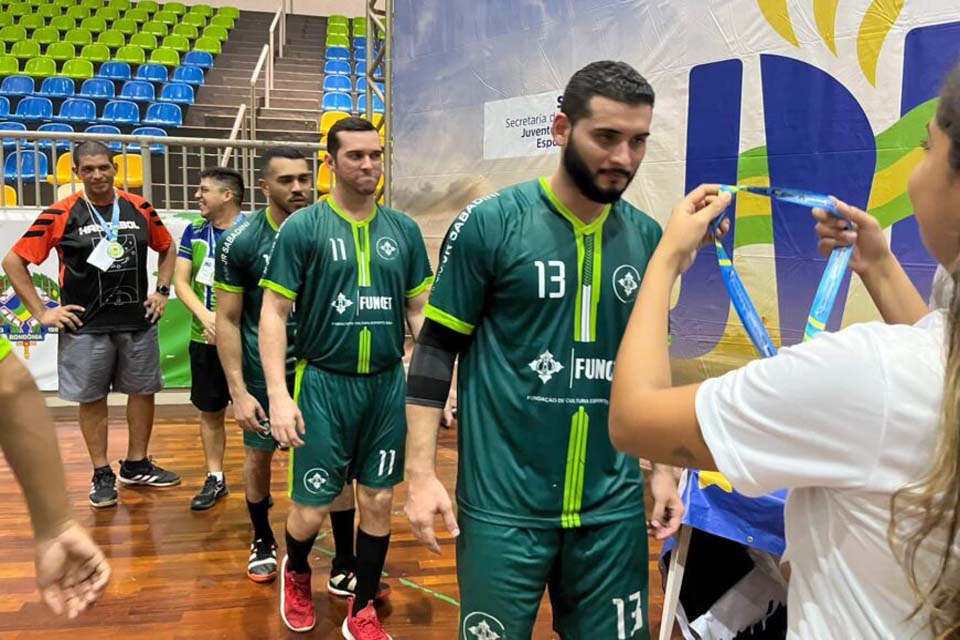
(36, 3)
(186, 30)
(180, 44)
(46, 35)
(110, 14)
(359, 27)
(9, 66)
(146, 41)
(93, 5)
(338, 41)
(214, 31)
(166, 17)
(49, 11)
(137, 15)
(338, 30)
(78, 13)
(166, 56)
(177, 8)
(210, 45)
(223, 21)
(338, 19)
(131, 54)
(94, 25)
(31, 22)
(156, 28)
(78, 69)
(96, 53)
(63, 23)
(13, 33)
(112, 38)
(61, 51)
(120, 5)
(19, 9)
(206, 11)
(6, 20)
(40, 67)
(79, 37)
(25, 49)
(126, 26)
(233, 12)
(150, 6)
(194, 20)
(64, 4)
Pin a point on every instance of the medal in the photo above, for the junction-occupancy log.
(115, 250)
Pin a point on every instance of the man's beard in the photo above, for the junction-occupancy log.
(586, 182)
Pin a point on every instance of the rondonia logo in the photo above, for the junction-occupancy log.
(387, 248)
(483, 626)
(626, 282)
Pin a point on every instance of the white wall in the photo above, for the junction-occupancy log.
(300, 7)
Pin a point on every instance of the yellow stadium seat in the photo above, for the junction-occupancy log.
(131, 166)
(10, 195)
(69, 189)
(324, 179)
(64, 170)
(329, 118)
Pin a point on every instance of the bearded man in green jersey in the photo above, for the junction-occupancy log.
(533, 291)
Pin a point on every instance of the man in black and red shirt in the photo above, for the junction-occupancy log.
(108, 314)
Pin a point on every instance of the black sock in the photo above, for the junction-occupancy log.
(298, 553)
(136, 464)
(260, 519)
(371, 555)
(342, 524)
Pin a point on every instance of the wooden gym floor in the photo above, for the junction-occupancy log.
(181, 574)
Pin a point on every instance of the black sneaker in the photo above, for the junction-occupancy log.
(212, 491)
(147, 473)
(103, 488)
(343, 583)
(262, 565)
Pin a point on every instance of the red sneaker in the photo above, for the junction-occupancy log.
(363, 626)
(296, 599)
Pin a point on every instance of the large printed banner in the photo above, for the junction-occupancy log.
(831, 96)
(37, 345)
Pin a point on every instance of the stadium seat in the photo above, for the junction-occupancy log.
(156, 28)
(10, 196)
(18, 10)
(131, 54)
(208, 44)
(205, 11)
(180, 44)
(137, 15)
(166, 17)
(46, 35)
(6, 19)
(338, 53)
(77, 68)
(138, 90)
(337, 19)
(202, 59)
(9, 66)
(62, 51)
(338, 30)
(129, 171)
(150, 6)
(63, 172)
(25, 49)
(15, 86)
(31, 21)
(361, 69)
(61, 127)
(329, 118)
(176, 8)
(40, 67)
(233, 12)
(152, 72)
(33, 109)
(223, 21)
(362, 85)
(187, 31)
(146, 41)
(106, 130)
(95, 53)
(194, 20)
(112, 39)
(63, 23)
(57, 87)
(337, 68)
(79, 37)
(324, 178)
(165, 56)
(120, 5)
(377, 104)
(78, 110)
(188, 74)
(178, 92)
(10, 143)
(337, 42)
(4, 107)
(115, 70)
(337, 101)
(360, 54)
(360, 42)
(94, 25)
(120, 113)
(98, 89)
(164, 114)
(13, 33)
(108, 14)
(126, 26)
(337, 83)
(155, 147)
(77, 13)
(359, 27)
(49, 11)
(64, 4)
(219, 33)
(92, 5)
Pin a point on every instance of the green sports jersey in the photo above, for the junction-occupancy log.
(547, 300)
(351, 281)
(198, 243)
(242, 256)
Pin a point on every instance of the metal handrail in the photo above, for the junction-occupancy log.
(254, 77)
(235, 133)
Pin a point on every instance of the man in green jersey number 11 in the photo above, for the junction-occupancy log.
(534, 288)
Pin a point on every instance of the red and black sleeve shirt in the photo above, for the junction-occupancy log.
(113, 299)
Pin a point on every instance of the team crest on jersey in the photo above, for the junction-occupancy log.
(545, 366)
(342, 303)
(387, 248)
(626, 282)
(483, 626)
(314, 480)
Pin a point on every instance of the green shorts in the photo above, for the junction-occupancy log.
(263, 441)
(596, 577)
(356, 428)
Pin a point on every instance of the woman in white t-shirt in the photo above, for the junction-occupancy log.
(855, 424)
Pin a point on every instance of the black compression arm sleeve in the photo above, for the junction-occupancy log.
(431, 367)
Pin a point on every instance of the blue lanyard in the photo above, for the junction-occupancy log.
(212, 236)
(109, 232)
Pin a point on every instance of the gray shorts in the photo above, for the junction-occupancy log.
(90, 365)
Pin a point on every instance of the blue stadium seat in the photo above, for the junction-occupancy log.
(178, 92)
(152, 73)
(201, 59)
(360, 54)
(337, 83)
(115, 70)
(61, 127)
(4, 107)
(32, 167)
(362, 85)
(362, 69)
(188, 74)
(58, 87)
(10, 143)
(164, 114)
(359, 43)
(362, 104)
(77, 110)
(139, 90)
(121, 112)
(107, 130)
(155, 148)
(32, 109)
(338, 53)
(98, 89)
(337, 68)
(17, 86)
(337, 101)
